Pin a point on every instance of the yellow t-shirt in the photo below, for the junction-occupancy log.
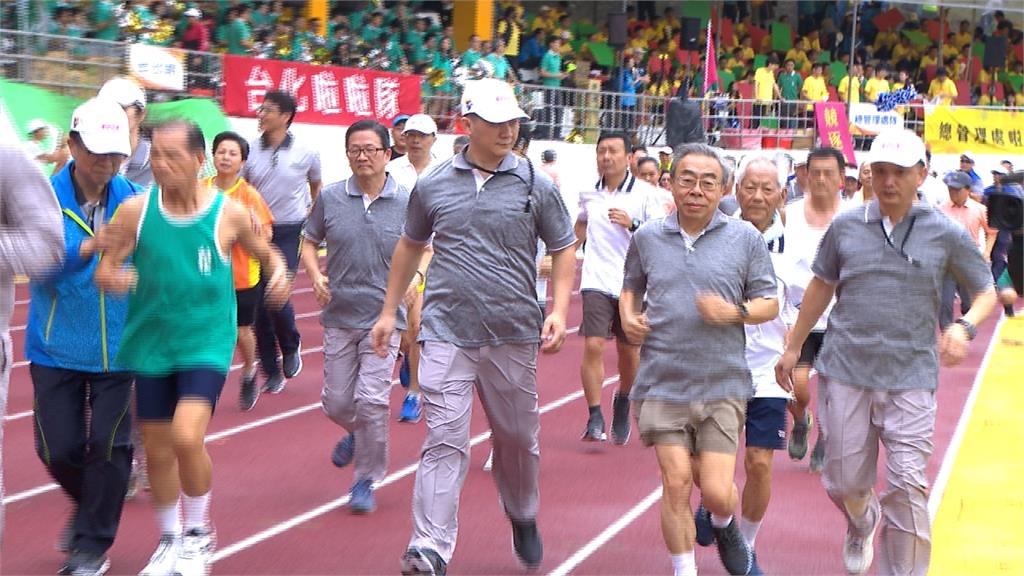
(815, 89)
(797, 56)
(945, 90)
(746, 54)
(764, 84)
(901, 52)
(886, 39)
(963, 40)
(874, 87)
(984, 77)
(844, 87)
(927, 61)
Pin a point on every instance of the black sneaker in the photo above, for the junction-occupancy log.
(89, 564)
(702, 521)
(620, 419)
(595, 429)
(292, 363)
(423, 561)
(736, 556)
(274, 384)
(526, 542)
(249, 393)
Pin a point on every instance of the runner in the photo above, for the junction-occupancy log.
(973, 216)
(132, 99)
(806, 222)
(31, 243)
(71, 340)
(287, 174)
(485, 210)
(179, 236)
(230, 152)
(705, 275)
(879, 363)
(609, 215)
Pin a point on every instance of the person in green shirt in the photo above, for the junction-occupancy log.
(239, 34)
(502, 68)
(415, 37)
(472, 53)
(790, 83)
(375, 29)
(551, 64)
(104, 22)
(262, 19)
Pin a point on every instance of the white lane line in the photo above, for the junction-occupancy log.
(18, 416)
(607, 534)
(395, 476)
(949, 459)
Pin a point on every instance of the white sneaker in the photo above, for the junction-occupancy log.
(196, 552)
(490, 461)
(859, 551)
(162, 562)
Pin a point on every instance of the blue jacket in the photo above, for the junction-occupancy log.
(72, 324)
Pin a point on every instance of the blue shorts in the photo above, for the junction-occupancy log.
(766, 423)
(158, 396)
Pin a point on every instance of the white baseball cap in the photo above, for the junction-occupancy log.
(665, 150)
(420, 123)
(124, 92)
(103, 126)
(852, 172)
(899, 147)
(492, 100)
(193, 13)
(34, 125)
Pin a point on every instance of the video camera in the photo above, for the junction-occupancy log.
(1006, 205)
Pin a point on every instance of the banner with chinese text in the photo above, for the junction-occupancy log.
(323, 94)
(954, 130)
(833, 128)
(867, 119)
(156, 67)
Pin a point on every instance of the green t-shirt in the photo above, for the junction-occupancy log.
(501, 65)
(551, 62)
(789, 85)
(260, 20)
(102, 13)
(238, 31)
(725, 78)
(470, 57)
(372, 33)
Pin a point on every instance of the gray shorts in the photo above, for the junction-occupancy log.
(601, 316)
(712, 426)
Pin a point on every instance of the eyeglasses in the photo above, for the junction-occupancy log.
(267, 110)
(370, 152)
(689, 183)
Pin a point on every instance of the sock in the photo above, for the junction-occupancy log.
(595, 410)
(169, 519)
(197, 510)
(684, 564)
(749, 530)
(719, 522)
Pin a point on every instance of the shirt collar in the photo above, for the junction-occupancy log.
(389, 191)
(872, 212)
(509, 163)
(671, 222)
(286, 143)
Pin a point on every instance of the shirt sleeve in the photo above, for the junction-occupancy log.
(826, 263)
(554, 226)
(315, 228)
(313, 174)
(760, 280)
(635, 276)
(966, 263)
(31, 228)
(418, 223)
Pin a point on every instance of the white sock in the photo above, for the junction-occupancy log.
(749, 530)
(719, 522)
(169, 518)
(684, 564)
(197, 509)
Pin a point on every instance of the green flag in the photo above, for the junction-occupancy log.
(782, 37)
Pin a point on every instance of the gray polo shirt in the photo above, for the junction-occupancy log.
(282, 176)
(685, 359)
(360, 241)
(480, 287)
(881, 332)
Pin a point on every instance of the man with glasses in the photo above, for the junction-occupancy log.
(82, 393)
(484, 211)
(702, 273)
(885, 264)
(287, 174)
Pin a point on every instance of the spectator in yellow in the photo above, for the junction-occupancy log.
(746, 51)
(849, 90)
(950, 48)
(942, 90)
(903, 52)
(964, 37)
(985, 76)
(798, 54)
(511, 31)
(877, 85)
(902, 81)
(812, 40)
(885, 41)
(766, 89)
(814, 88)
(543, 20)
(930, 59)
(989, 98)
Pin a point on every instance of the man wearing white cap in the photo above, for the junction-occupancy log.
(37, 131)
(419, 134)
(851, 186)
(132, 99)
(885, 264)
(484, 211)
(72, 339)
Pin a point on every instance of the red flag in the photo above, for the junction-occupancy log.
(710, 62)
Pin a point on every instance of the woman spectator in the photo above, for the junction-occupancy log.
(631, 81)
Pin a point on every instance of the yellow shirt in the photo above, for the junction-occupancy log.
(945, 90)
(927, 61)
(963, 40)
(797, 56)
(886, 39)
(844, 87)
(764, 84)
(986, 100)
(746, 54)
(984, 77)
(814, 89)
(901, 52)
(874, 87)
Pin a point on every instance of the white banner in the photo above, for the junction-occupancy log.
(157, 67)
(865, 117)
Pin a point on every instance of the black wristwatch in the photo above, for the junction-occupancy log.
(972, 331)
(744, 312)
(635, 224)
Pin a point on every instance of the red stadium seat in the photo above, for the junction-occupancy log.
(963, 97)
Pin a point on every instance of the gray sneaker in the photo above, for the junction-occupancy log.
(248, 393)
(818, 455)
(274, 384)
(620, 419)
(798, 437)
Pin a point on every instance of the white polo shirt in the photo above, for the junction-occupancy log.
(604, 256)
(402, 170)
(803, 241)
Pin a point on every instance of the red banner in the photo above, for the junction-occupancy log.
(323, 94)
(834, 129)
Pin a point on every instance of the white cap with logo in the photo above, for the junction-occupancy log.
(420, 123)
(899, 147)
(492, 100)
(103, 126)
(124, 92)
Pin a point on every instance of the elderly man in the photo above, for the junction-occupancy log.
(485, 210)
(702, 273)
(973, 216)
(885, 264)
(72, 339)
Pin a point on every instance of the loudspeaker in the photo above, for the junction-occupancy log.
(995, 52)
(689, 38)
(618, 29)
(683, 123)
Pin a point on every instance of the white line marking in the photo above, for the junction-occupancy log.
(607, 534)
(395, 476)
(949, 459)
(18, 416)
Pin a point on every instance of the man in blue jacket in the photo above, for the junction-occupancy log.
(73, 334)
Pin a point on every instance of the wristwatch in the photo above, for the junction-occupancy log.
(635, 224)
(971, 329)
(744, 312)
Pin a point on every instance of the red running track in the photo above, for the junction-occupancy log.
(278, 503)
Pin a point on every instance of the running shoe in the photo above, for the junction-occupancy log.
(798, 438)
(343, 451)
(163, 561)
(361, 498)
(411, 409)
(275, 384)
(423, 561)
(196, 553)
(292, 363)
(620, 419)
(702, 520)
(755, 570)
(818, 454)
(248, 393)
(595, 429)
(859, 551)
(89, 564)
(526, 543)
(736, 556)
